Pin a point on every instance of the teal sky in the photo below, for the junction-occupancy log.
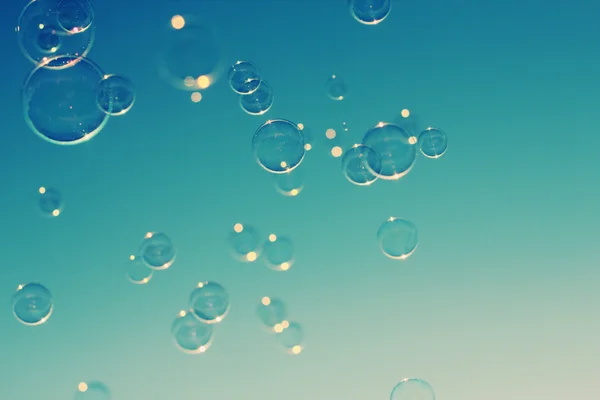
(499, 301)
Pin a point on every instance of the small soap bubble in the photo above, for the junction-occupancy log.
(398, 238)
(137, 271)
(278, 146)
(412, 389)
(289, 184)
(209, 302)
(32, 304)
(75, 16)
(433, 143)
(259, 101)
(395, 147)
(92, 391)
(157, 251)
(245, 243)
(278, 253)
(361, 165)
(271, 312)
(115, 95)
(190, 335)
(291, 337)
(336, 88)
(50, 202)
(370, 12)
(244, 77)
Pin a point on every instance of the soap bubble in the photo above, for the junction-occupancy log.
(395, 147)
(245, 242)
(157, 251)
(336, 88)
(278, 253)
(60, 105)
(290, 183)
(291, 337)
(398, 238)
(115, 95)
(370, 12)
(271, 312)
(361, 165)
(244, 77)
(412, 389)
(433, 143)
(32, 304)
(137, 271)
(278, 146)
(75, 16)
(209, 302)
(50, 202)
(259, 101)
(190, 335)
(92, 391)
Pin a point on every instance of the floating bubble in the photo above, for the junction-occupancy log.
(278, 253)
(209, 302)
(412, 389)
(259, 101)
(32, 304)
(245, 243)
(50, 202)
(398, 238)
(244, 77)
(75, 16)
(271, 312)
(137, 271)
(190, 335)
(43, 18)
(291, 337)
(157, 251)
(92, 391)
(433, 143)
(60, 105)
(278, 146)
(336, 88)
(395, 147)
(290, 183)
(370, 12)
(361, 165)
(115, 95)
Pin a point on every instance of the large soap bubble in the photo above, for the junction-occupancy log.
(75, 16)
(271, 312)
(157, 251)
(278, 146)
(32, 304)
(395, 147)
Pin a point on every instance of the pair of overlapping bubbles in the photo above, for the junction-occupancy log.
(256, 95)
(273, 316)
(156, 253)
(277, 252)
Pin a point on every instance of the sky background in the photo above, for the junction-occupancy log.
(499, 301)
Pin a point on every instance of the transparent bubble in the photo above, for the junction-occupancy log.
(137, 271)
(278, 253)
(209, 302)
(42, 17)
(92, 391)
(258, 102)
(290, 183)
(271, 312)
(412, 389)
(190, 335)
(32, 304)
(60, 105)
(278, 146)
(189, 58)
(395, 147)
(244, 77)
(291, 337)
(370, 12)
(157, 251)
(245, 243)
(75, 16)
(361, 165)
(398, 238)
(336, 88)
(433, 143)
(115, 95)
(50, 202)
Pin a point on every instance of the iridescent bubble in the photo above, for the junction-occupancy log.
(60, 105)
(289, 184)
(336, 88)
(291, 337)
(157, 251)
(395, 147)
(50, 202)
(42, 17)
(370, 12)
(278, 146)
(361, 165)
(244, 77)
(398, 238)
(412, 389)
(137, 271)
(278, 253)
(75, 16)
(245, 243)
(32, 304)
(433, 143)
(115, 95)
(271, 312)
(92, 391)
(209, 302)
(259, 101)
(190, 335)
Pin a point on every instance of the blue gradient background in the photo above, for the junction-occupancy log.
(499, 301)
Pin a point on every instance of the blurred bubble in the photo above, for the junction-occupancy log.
(115, 95)
(39, 28)
(157, 251)
(370, 12)
(92, 391)
(271, 312)
(278, 253)
(75, 16)
(412, 389)
(433, 143)
(336, 88)
(245, 243)
(137, 271)
(50, 202)
(409, 121)
(259, 101)
(190, 335)
(278, 146)
(209, 302)
(291, 337)
(60, 105)
(395, 148)
(361, 165)
(189, 57)
(32, 304)
(398, 238)
(244, 77)
(290, 183)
